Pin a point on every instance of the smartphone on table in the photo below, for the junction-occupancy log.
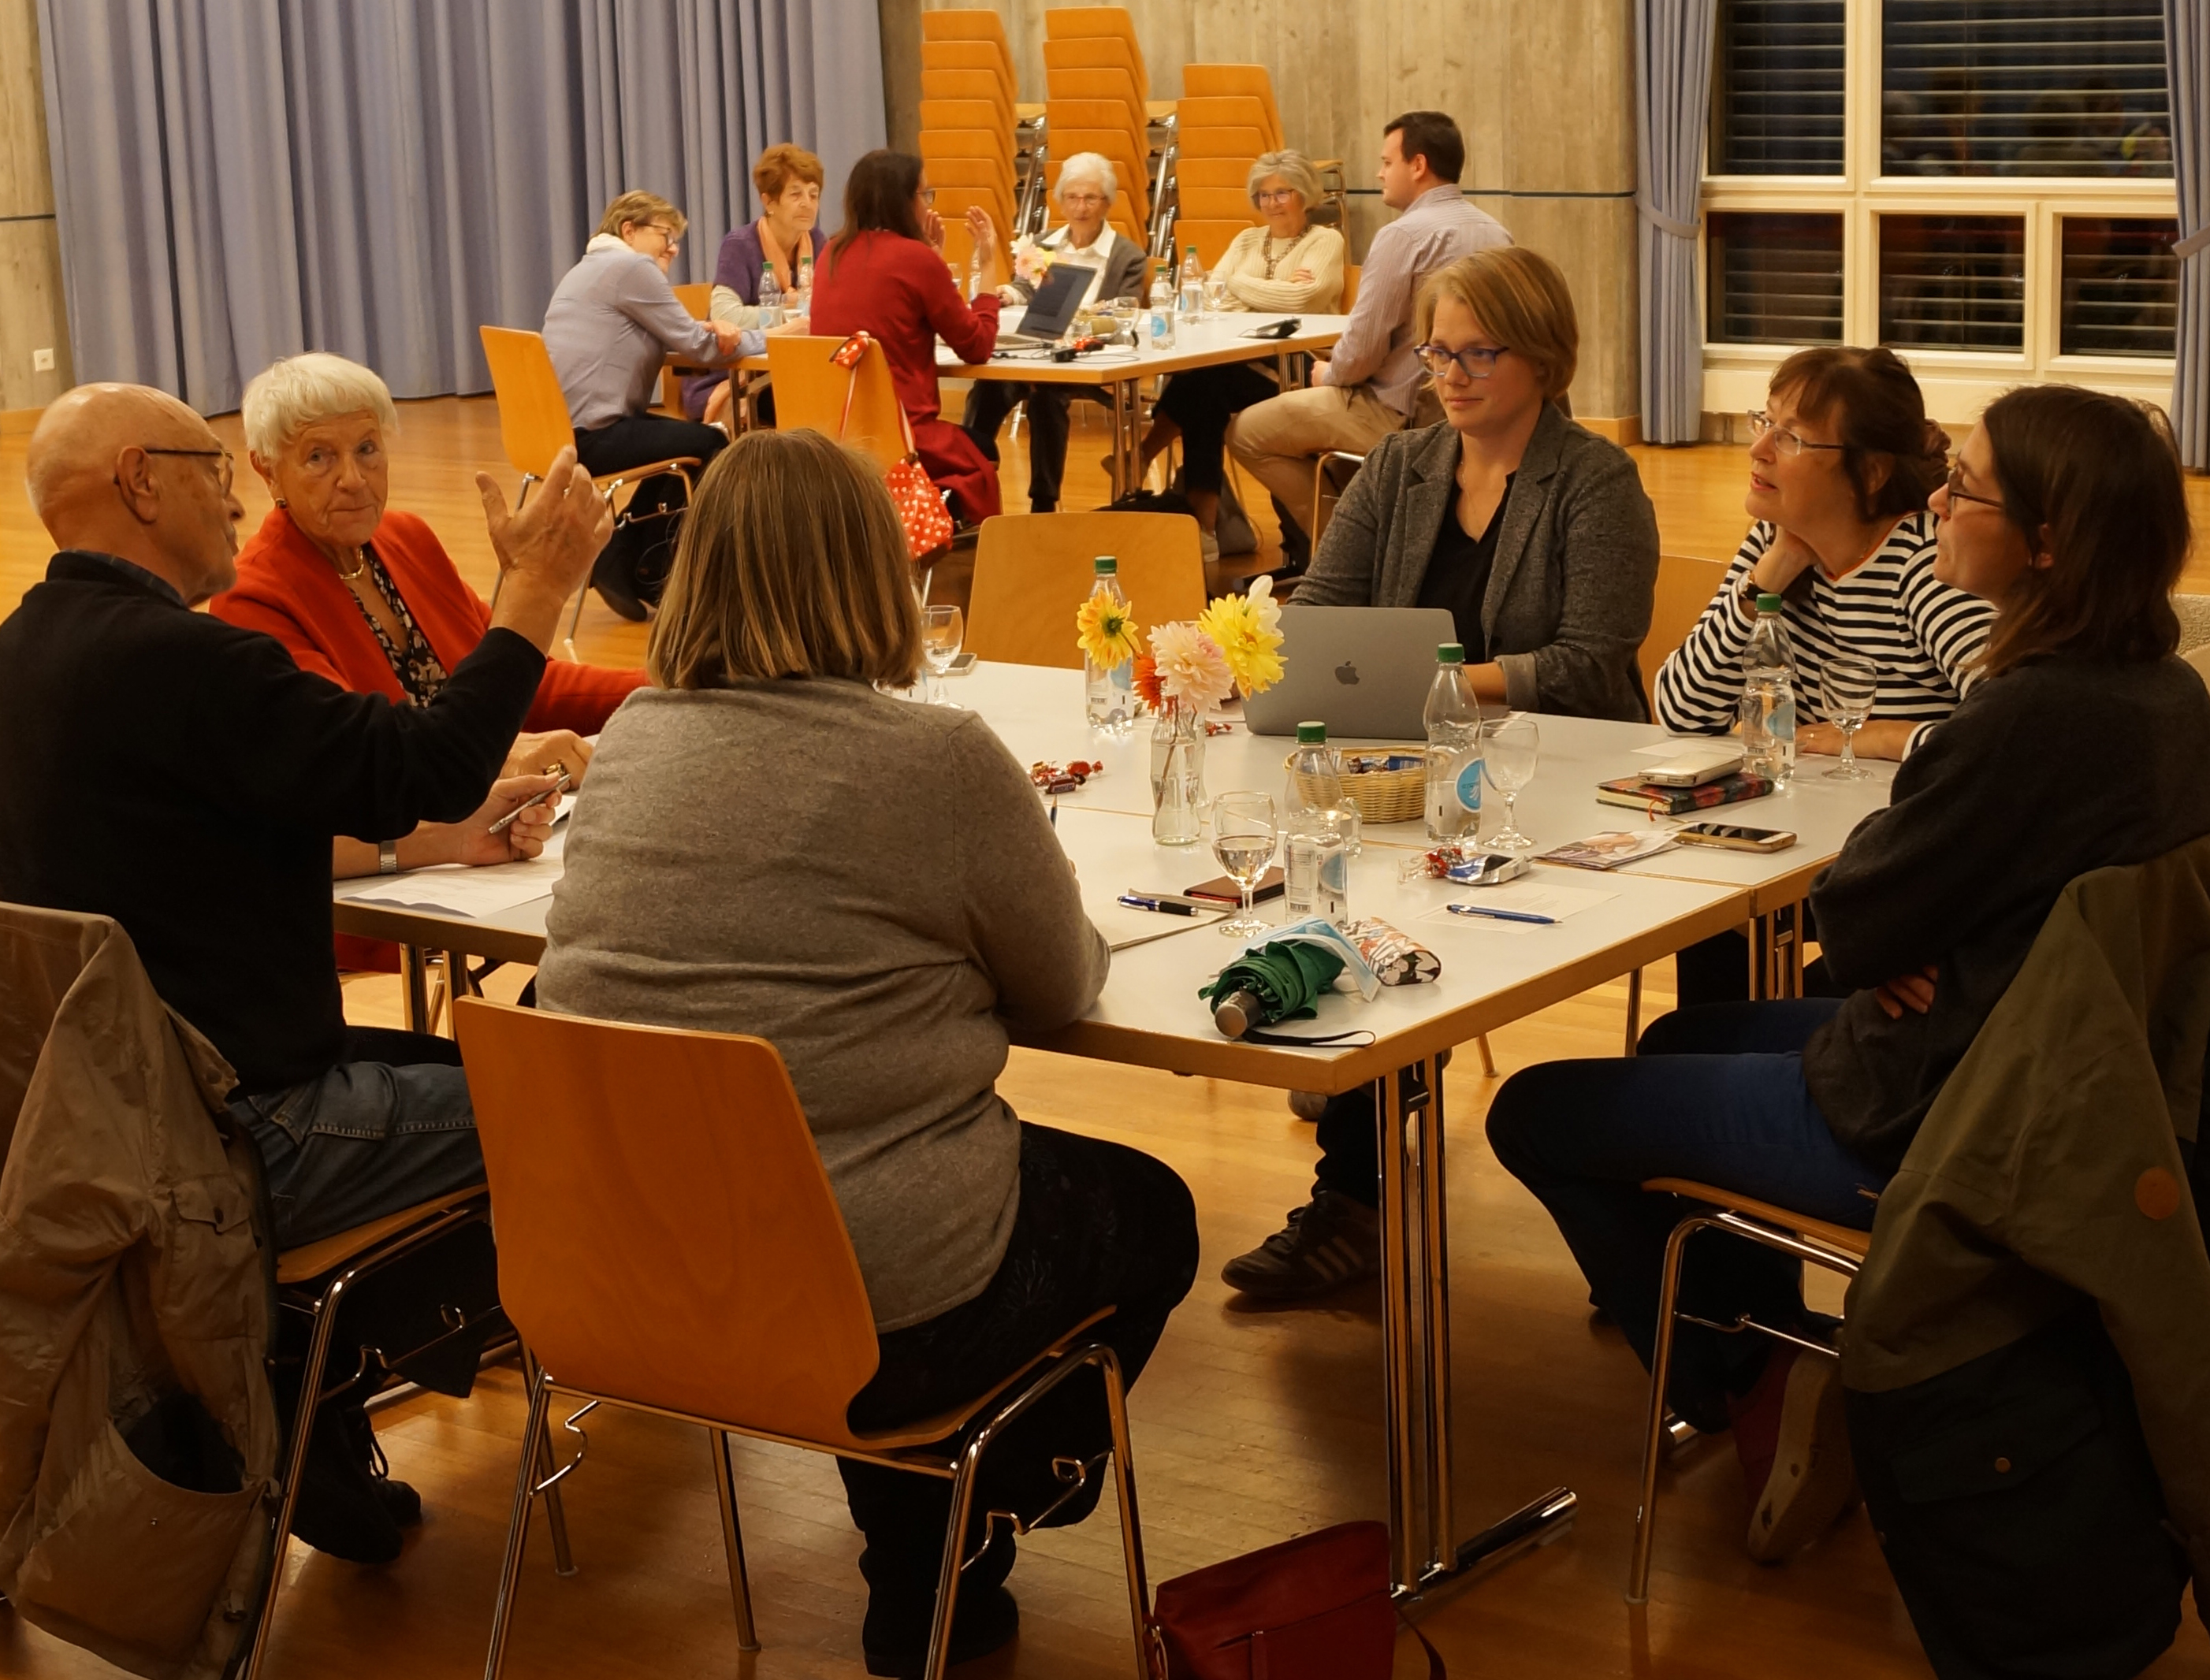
(1734, 837)
(1223, 890)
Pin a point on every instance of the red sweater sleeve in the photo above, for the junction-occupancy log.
(971, 330)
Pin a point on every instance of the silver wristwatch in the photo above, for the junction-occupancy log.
(387, 857)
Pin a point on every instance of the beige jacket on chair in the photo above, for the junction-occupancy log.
(131, 1277)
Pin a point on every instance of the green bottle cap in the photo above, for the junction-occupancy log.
(1770, 604)
(1312, 734)
(1451, 652)
(1105, 566)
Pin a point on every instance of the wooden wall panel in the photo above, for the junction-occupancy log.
(1545, 92)
(31, 316)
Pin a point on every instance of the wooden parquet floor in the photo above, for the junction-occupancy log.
(1250, 1426)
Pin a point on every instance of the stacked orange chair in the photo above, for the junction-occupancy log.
(969, 116)
(1099, 100)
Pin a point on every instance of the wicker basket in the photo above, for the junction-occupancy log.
(1381, 796)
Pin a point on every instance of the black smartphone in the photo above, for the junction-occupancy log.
(1223, 889)
(1735, 837)
(1277, 329)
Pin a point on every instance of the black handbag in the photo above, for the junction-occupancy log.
(638, 556)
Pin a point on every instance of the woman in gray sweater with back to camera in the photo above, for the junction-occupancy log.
(773, 847)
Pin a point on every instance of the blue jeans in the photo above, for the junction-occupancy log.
(367, 1138)
(1717, 1095)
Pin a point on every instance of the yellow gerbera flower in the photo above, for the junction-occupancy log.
(1106, 631)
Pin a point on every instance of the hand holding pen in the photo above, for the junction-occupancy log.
(560, 786)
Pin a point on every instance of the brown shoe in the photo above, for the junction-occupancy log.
(1794, 1444)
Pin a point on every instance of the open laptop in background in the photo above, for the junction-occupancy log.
(1363, 670)
(1051, 311)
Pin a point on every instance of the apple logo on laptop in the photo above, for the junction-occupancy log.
(1347, 674)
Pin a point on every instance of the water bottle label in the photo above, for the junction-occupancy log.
(1468, 785)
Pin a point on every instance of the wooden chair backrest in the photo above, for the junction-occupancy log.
(1033, 570)
(1244, 144)
(982, 115)
(1350, 287)
(1220, 112)
(954, 201)
(1204, 81)
(1211, 238)
(986, 172)
(1231, 172)
(1216, 204)
(1686, 585)
(972, 56)
(959, 247)
(1102, 83)
(1075, 23)
(696, 296)
(979, 85)
(533, 425)
(967, 23)
(666, 1232)
(810, 390)
(968, 143)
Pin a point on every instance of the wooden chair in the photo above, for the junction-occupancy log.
(1227, 204)
(1110, 84)
(1033, 570)
(810, 391)
(982, 115)
(668, 1241)
(1233, 174)
(952, 204)
(1099, 52)
(1211, 238)
(982, 55)
(981, 87)
(1350, 287)
(696, 297)
(1203, 81)
(1072, 23)
(980, 174)
(1836, 1248)
(534, 425)
(966, 23)
(1238, 111)
(1113, 146)
(1685, 587)
(1242, 144)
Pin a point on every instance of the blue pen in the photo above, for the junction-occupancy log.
(1164, 907)
(1501, 915)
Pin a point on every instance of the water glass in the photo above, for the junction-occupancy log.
(1849, 683)
(1216, 293)
(1243, 837)
(1509, 749)
(943, 628)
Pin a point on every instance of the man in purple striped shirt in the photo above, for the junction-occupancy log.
(1371, 385)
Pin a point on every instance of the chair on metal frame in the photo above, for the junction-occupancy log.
(1033, 570)
(1836, 1248)
(534, 425)
(595, 1135)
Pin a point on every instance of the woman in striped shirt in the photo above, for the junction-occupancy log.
(1842, 465)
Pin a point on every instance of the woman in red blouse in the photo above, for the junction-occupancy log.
(369, 598)
(884, 274)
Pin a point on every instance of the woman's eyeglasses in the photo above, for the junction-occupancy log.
(928, 197)
(1278, 195)
(1785, 442)
(1475, 361)
(1954, 485)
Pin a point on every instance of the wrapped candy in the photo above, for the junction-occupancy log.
(1468, 865)
(1063, 777)
(1396, 958)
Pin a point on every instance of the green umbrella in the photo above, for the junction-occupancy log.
(1279, 981)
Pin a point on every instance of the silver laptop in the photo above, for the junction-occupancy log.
(1051, 311)
(1363, 670)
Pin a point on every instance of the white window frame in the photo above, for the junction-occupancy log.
(1957, 383)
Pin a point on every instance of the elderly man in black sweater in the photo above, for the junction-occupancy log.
(184, 777)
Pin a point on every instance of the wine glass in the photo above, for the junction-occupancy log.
(1216, 293)
(942, 629)
(1849, 683)
(1243, 836)
(1509, 749)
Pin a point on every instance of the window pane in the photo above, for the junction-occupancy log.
(1776, 88)
(2024, 88)
(2121, 286)
(1773, 279)
(1953, 282)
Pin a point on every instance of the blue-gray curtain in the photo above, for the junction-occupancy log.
(2187, 58)
(237, 180)
(1672, 103)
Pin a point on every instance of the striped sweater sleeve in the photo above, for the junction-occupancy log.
(1699, 685)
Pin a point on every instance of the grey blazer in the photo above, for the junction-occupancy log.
(1568, 602)
(1127, 274)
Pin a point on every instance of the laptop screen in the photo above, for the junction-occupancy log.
(1052, 310)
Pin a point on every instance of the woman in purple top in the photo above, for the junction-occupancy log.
(788, 179)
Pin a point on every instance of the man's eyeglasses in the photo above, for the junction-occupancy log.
(1785, 442)
(1955, 485)
(226, 465)
(1475, 361)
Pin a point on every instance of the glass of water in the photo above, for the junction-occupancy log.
(1848, 686)
(1243, 836)
(1509, 748)
(1216, 293)
(942, 630)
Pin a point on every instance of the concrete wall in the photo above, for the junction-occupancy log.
(1544, 90)
(32, 318)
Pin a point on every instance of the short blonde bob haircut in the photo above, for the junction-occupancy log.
(1295, 169)
(642, 209)
(791, 564)
(1521, 300)
(293, 392)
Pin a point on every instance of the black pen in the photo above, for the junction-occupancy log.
(1136, 901)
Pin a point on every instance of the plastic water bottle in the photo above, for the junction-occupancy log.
(1163, 307)
(770, 297)
(803, 301)
(1453, 720)
(1107, 692)
(1316, 787)
(1192, 284)
(1768, 695)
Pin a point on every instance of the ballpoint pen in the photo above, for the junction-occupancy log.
(1164, 907)
(500, 825)
(1501, 915)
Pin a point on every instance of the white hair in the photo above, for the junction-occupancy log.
(295, 391)
(1089, 166)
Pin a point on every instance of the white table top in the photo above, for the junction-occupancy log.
(1204, 342)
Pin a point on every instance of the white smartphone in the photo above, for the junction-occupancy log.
(1691, 772)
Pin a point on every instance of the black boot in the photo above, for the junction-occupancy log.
(894, 1638)
(343, 1509)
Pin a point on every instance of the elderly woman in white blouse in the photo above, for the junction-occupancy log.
(1286, 263)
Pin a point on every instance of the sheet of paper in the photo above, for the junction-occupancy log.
(454, 890)
(1123, 927)
(1698, 750)
(1534, 898)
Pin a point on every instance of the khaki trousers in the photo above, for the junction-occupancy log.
(1275, 440)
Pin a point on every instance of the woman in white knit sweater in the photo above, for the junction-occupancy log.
(1287, 264)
